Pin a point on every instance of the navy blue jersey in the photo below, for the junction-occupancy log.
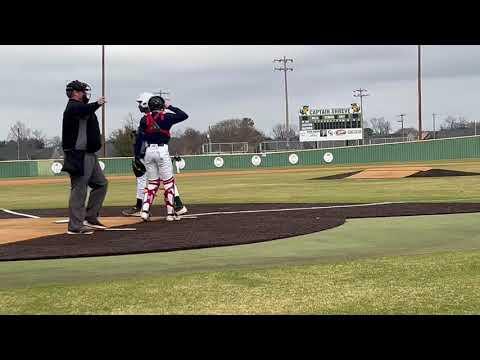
(155, 127)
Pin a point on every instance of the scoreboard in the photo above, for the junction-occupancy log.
(327, 124)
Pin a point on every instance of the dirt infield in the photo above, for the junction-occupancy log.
(396, 173)
(214, 225)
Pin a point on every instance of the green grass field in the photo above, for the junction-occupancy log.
(271, 188)
(403, 265)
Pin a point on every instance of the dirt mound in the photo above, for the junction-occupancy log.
(442, 172)
(204, 232)
(337, 176)
(397, 173)
(232, 224)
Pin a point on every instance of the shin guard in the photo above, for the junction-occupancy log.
(169, 187)
(150, 192)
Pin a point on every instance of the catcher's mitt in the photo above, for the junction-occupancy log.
(138, 167)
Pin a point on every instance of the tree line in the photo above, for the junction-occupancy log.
(190, 140)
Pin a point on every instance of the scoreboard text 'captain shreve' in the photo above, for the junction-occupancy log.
(340, 123)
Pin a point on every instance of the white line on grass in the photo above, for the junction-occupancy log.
(293, 209)
(20, 214)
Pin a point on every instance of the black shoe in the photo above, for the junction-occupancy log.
(94, 223)
(131, 212)
(178, 206)
(82, 231)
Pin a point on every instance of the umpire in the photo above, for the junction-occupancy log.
(80, 141)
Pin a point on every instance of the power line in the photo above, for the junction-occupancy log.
(284, 61)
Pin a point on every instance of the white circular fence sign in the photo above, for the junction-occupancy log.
(56, 168)
(218, 162)
(256, 160)
(293, 159)
(102, 165)
(328, 157)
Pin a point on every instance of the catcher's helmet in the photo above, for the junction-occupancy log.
(142, 101)
(156, 103)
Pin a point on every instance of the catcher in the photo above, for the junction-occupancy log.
(138, 167)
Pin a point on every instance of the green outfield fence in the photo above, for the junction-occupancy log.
(426, 150)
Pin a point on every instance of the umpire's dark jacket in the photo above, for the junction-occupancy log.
(80, 135)
(80, 129)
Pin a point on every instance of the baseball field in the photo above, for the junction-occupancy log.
(272, 241)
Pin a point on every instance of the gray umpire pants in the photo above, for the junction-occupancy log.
(93, 177)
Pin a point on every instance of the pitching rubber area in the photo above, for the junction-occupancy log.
(41, 234)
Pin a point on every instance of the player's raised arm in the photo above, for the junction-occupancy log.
(176, 116)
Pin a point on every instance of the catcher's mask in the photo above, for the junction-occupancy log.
(142, 101)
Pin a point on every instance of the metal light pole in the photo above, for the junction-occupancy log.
(419, 92)
(18, 143)
(103, 107)
(401, 121)
(285, 69)
(433, 116)
(361, 93)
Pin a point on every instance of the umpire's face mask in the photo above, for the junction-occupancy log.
(86, 97)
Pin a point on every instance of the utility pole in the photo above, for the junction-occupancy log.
(209, 141)
(401, 121)
(18, 143)
(284, 61)
(103, 107)
(162, 93)
(419, 92)
(361, 93)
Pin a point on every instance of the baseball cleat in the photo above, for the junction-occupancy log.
(183, 210)
(145, 215)
(82, 231)
(172, 217)
(94, 224)
(132, 212)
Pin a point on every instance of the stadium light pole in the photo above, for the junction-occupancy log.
(284, 61)
(401, 121)
(18, 143)
(419, 82)
(103, 107)
(361, 93)
(433, 116)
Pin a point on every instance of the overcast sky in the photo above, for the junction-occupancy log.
(214, 83)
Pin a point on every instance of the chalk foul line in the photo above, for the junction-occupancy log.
(20, 214)
(293, 209)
